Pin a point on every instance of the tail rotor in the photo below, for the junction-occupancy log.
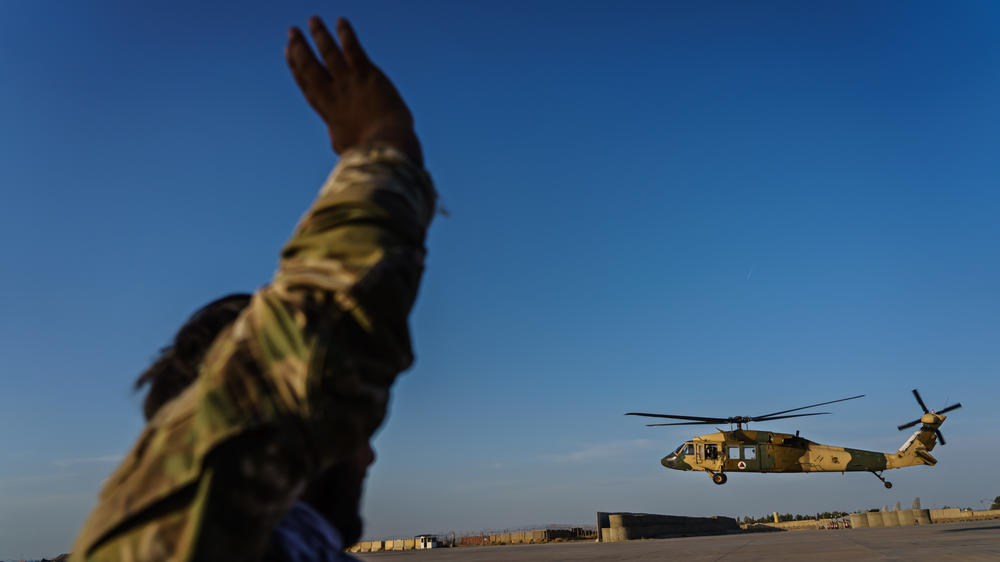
(923, 406)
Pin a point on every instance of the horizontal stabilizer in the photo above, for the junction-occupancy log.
(926, 457)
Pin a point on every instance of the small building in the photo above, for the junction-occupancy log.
(426, 541)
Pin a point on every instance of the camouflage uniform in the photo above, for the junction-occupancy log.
(297, 383)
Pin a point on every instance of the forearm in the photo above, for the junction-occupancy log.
(332, 327)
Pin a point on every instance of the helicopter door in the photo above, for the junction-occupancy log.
(712, 458)
(742, 458)
(749, 457)
(732, 458)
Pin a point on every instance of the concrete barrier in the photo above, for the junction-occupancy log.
(613, 534)
(906, 517)
(806, 525)
(874, 518)
(859, 521)
(890, 519)
(947, 515)
(629, 526)
(922, 516)
(986, 514)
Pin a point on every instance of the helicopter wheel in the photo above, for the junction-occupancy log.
(719, 478)
(884, 481)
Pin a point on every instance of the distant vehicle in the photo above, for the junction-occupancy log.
(744, 450)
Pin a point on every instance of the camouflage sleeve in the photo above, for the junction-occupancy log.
(332, 327)
(298, 382)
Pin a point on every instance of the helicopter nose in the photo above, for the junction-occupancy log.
(669, 461)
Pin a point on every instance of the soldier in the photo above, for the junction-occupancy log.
(299, 381)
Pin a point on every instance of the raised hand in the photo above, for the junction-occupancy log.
(354, 98)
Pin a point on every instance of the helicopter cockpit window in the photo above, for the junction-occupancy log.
(677, 451)
(689, 448)
(749, 453)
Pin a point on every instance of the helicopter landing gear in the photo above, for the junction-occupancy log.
(884, 481)
(719, 478)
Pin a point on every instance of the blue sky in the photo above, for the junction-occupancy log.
(706, 210)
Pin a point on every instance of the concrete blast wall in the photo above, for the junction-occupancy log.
(906, 517)
(859, 521)
(874, 518)
(617, 527)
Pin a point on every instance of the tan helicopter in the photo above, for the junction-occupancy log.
(743, 450)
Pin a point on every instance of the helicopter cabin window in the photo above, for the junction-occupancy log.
(711, 451)
(734, 452)
(749, 453)
(689, 448)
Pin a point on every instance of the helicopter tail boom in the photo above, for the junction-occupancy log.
(916, 449)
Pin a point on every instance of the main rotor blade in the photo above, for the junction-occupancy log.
(679, 423)
(693, 418)
(812, 406)
(940, 437)
(791, 416)
(920, 400)
(906, 425)
(950, 408)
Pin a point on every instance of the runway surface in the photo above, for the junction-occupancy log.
(979, 540)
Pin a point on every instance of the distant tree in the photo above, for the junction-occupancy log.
(996, 503)
(916, 503)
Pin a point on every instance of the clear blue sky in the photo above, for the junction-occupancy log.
(720, 210)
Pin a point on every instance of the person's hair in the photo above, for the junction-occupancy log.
(178, 364)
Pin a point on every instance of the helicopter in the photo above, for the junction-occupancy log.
(744, 450)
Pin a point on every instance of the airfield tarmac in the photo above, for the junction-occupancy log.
(978, 540)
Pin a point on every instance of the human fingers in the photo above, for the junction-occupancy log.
(306, 69)
(326, 46)
(353, 52)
